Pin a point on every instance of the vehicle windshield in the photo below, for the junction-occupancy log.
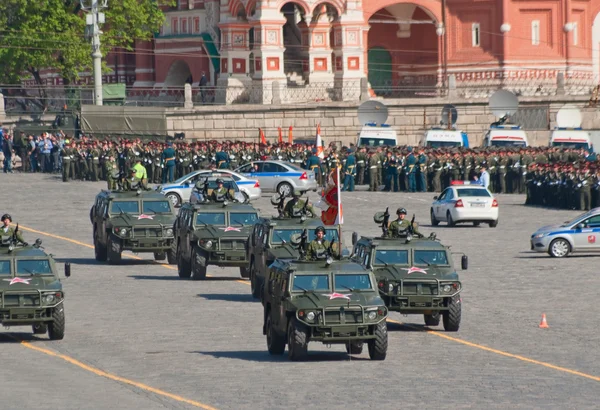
(392, 257)
(217, 218)
(242, 218)
(310, 282)
(4, 267)
(500, 143)
(128, 207)
(156, 207)
(359, 281)
(377, 142)
(33, 266)
(283, 235)
(444, 144)
(423, 257)
(568, 144)
(577, 218)
(470, 192)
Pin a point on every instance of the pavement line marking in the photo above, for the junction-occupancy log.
(500, 352)
(433, 332)
(114, 377)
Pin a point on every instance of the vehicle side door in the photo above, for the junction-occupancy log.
(586, 234)
(447, 203)
(267, 173)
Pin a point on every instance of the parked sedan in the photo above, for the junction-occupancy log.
(581, 234)
(279, 176)
(179, 191)
(465, 202)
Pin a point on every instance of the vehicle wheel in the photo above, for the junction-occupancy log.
(433, 319)
(476, 223)
(559, 248)
(174, 198)
(198, 272)
(285, 189)
(254, 282)
(354, 347)
(39, 328)
(183, 267)
(56, 328)
(297, 341)
(378, 346)
(99, 251)
(172, 256)
(114, 255)
(275, 342)
(434, 222)
(493, 224)
(449, 219)
(452, 315)
(160, 256)
(245, 272)
(246, 196)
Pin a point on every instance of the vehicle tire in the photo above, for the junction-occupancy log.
(172, 256)
(493, 224)
(476, 223)
(39, 328)
(246, 197)
(245, 272)
(285, 189)
(297, 341)
(114, 257)
(254, 282)
(100, 251)
(449, 219)
(378, 346)
(354, 347)
(198, 272)
(433, 319)
(160, 256)
(174, 198)
(559, 248)
(434, 222)
(183, 267)
(451, 317)
(275, 342)
(56, 328)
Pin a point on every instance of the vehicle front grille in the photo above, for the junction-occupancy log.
(232, 244)
(13, 300)
(147, 232)
(343, 316)
(412, 288)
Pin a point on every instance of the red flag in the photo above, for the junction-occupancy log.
(280, 136)
(290, 135)
(332, 199)
(318, 143)
(263, 140)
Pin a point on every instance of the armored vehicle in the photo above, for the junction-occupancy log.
(415, 274)
(329, 301)
(213, 232)
(132, 220)
(31, 293)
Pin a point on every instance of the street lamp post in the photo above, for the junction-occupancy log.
(92, 20)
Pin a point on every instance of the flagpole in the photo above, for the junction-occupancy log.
(339, 220)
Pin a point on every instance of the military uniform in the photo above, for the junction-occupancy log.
(317, 249)
(400, 227)
(6, 235)
(293, 208)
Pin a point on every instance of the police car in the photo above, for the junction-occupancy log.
(279, 176)
(179, 191)
(465, 201)
(581, 234)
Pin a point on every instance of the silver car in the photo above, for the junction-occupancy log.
(180, 190)
(279, 176)
(582, 234)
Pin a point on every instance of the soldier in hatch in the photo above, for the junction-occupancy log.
(7, 232)
(400, 226)
(293, 208)
(318, 247)
(220, 194)
(133, 182)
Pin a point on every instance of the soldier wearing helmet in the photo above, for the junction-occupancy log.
(400, 226)
(220, 193)
(293, 208)
(7, 232)
(318, 247)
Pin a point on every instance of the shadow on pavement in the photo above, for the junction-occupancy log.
(12, 337)
(92, 261)
(264, 356)
(409, 327)
(228, 297)
(176, 277)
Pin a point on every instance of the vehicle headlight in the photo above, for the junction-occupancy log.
(447, 288)
(539, 235)
(372, 315)
(50, 298)
(123, 232)
(390, 288)
(206, 243)
(310, 316)
(169, 232)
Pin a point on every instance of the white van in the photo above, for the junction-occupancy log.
(375, 136)
(570, 138)
(444, 138)
(505, 135)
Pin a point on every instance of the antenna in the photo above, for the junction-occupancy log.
(503, 103)
(449, 116)
(569, 116)
(372, 112)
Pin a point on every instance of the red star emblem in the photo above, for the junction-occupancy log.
(336, 296)
(17, 280)
(144, 216)
(231, 228)
(415, 269)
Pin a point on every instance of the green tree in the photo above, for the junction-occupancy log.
(37, 35)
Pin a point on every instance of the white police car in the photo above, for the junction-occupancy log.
(180, 190)
(465, 201)
(579, 234)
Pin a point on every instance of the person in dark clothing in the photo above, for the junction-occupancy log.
(7, 150)
(203, 83)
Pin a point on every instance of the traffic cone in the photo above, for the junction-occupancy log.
(544, 323)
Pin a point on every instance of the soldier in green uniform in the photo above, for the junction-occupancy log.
(373, 158)
(400, 226)
(503, 162)
(7, 232)
(94, 162)
(112, 172)
(220, 194)
(67, 163)
(361, 162)
(294, 207)
(133, 182)
(318, 247)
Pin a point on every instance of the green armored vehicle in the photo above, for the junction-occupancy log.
(132, 220)
(31, 293)
(213, 231)
(329, 301)
(415, 274)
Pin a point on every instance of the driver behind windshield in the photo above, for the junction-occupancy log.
(319, 247)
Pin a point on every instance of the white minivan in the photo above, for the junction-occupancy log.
(375, 136)
(444, 138)
(505, 135)
(570, 138)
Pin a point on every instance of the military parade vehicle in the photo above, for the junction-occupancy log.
(213, 230)
(270, 240)
(31, 292)
(135, 220)
(415, 274)
(325, 300)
